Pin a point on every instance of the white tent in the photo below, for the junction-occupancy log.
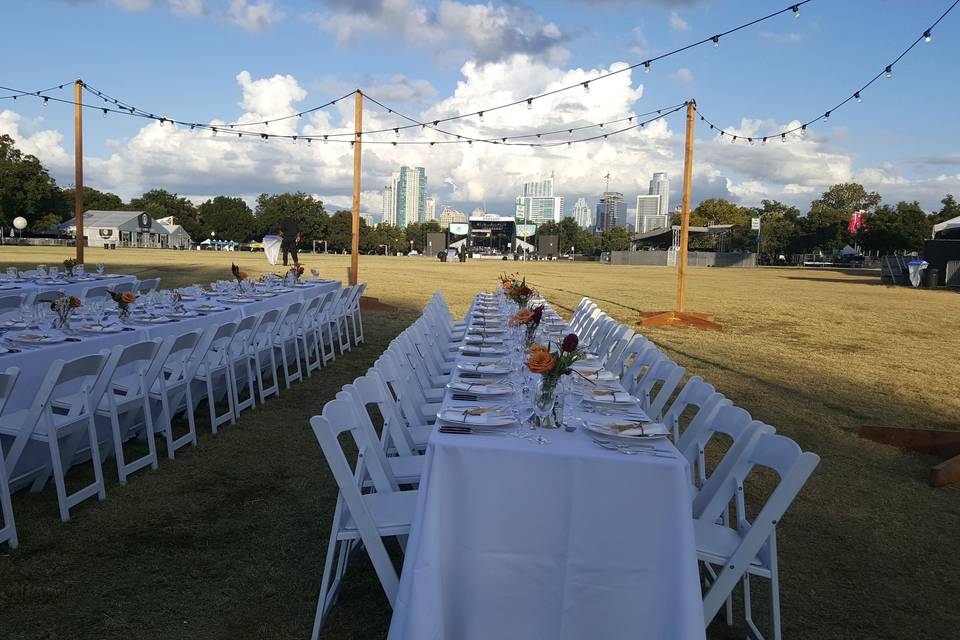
(946, 225)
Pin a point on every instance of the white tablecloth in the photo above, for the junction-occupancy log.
(566, 540)
(271, 248)
(69, 288)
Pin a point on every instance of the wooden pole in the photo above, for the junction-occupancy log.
(679, 317)
(685, 206)
(355, 244)
(78, 161)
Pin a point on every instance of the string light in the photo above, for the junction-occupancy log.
(796, 11)
(396, 131)
(826, 117)
(888, 71)
(856, 94)
(646, 66)
(481, 116)
(586, 87)
(529, 104)
(927, 36)
(716, 41)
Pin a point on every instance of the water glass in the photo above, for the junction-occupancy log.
(100, 268)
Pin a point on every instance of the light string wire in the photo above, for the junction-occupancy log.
(856, 95)
(36, 94)
(129, 109)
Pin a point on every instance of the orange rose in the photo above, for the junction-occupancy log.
(74, 302)
(540, 361)
(128, 297)
(522, 317)
(537, 347)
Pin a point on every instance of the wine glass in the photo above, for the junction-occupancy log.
(315, 273)
(54, 272)
(542, 407)
(100, 268)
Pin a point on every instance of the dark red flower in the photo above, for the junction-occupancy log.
(537, 315)
(570, 343)
(525, 291)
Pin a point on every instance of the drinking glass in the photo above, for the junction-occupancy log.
(542, 407)
(316, 273)
(54, 272)
(28, 316)
(100, 268)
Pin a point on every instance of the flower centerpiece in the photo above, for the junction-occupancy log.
(123, 300)
(297, 272)
(240, 276)
(69, 264)
(516, 289)
(530, 320)
(64, 307)
(551, 365)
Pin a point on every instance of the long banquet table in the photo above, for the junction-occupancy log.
(35, 361)
(68, 287)
(512, 539)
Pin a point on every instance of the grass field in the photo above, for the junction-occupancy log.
(227, 540)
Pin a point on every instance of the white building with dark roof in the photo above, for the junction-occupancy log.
(129, 229)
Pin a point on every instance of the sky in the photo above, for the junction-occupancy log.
(248, 60)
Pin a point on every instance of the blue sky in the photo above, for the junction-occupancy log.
(182, 58)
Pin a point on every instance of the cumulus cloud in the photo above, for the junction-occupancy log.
(782, 38)
(195, 162)
(484, 31)
(677, 23)
(684, 75)
(253, 16)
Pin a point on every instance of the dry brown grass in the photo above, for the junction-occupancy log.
(866, 550)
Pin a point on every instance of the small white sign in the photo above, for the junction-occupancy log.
(755, 224)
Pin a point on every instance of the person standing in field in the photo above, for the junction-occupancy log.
(290, 234)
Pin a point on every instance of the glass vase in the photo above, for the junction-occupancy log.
(544, 402)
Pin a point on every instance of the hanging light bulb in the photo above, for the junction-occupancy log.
(796, 11)
(397, 131)
(481, 116)
(325, 138)
(783, 137)
(888, 71)
(309, 141)
(750, 140)
(214, 132)
(394, 143)
(45, 100)
(733, 139)
(264, 137)
(764, 140)
(716, 41)
(192, 127)
(927, 36)
(826, 117)
(104, 113)
(529, 104)
(857, 96)
(646, 66)
(803, 130)
(294, 139)
(569, 144)
(586, 87)
(432, 143)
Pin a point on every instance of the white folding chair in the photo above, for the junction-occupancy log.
(398, 436)
(8, 530)
(321, 325)
(147, 286)
(241, 365)
(366, 517)
(215, 364)
(285, 341)
(99, 292)
(58, 413)
(749, 548)
(264, 356)
(10, 306)
(122, 287)
(352, 309)
(695, 393)
(177, 364)
(657, 385)
(126, 398)
(307, 335)
(337, 321)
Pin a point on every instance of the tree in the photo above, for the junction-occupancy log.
(26, 189)
(93, 200)
(160, 203)
(900, 228)
(230, 218)
(615, 239)
(716, 211)
(826, 223)
(950, 210)
(418, 231)
(312, 219)
(780, 227)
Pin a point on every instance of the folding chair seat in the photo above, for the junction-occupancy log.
(121, 287)
(747, 549)
(215, 365)
(178, 361)
(286, 343)
(336, 321)
(357, 517)
(425, 409)
(264, 355)
(10, 306)
(126, 403)
(8, 526)
(321, 321)
(241, 365)
(398, 435)
(99, 292)
(59, 420)
(414, 412)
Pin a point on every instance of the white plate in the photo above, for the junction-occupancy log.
(6, 287)
(487, 340)
(183, 314)
(619, 398)
(37, 337)
(151, 319)
(105, 328)
(499, 418)
(14, 324)
(479, 388)
(651, 431)
(209, 308)
(239, 300)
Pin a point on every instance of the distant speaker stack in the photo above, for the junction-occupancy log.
(547, 246)
(436, 242)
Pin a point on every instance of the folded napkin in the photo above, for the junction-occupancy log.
(608, 395)
(468, 349)
(487, 387)
(598, 375)
(476, 415)
(638, 428)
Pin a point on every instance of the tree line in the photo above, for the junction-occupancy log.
(28, 190)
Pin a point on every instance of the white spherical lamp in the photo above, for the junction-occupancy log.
(20, 223)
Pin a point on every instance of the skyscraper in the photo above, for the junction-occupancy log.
(430, 208)
(448, 216)
(537, 204)
(405, 198)
(648, 213)
(582, 215)
(660, 186)
(611, 211)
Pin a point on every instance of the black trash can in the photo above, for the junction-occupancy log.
(931, 277)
